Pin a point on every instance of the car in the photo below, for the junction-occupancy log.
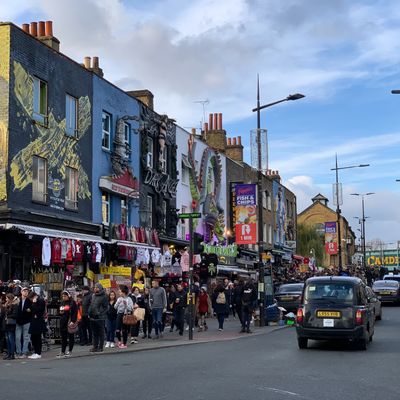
(333, 308)
(288, 296)
(391, 277)
(388, 291)
(374, 299)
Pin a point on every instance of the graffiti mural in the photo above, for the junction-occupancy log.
(49, 142)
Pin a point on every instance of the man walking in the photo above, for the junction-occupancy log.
(98, 314)
(249, 297)
(179, 306)
(85, 322)
(158, 302)
(24, 316)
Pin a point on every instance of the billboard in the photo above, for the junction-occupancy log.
(280, 225)
(246, 213)
(331, 244)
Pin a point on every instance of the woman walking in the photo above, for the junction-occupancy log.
(37, 326)
(148, 318)
(11, 306)
(124, 305)
(111, 323)
(68, 318)
(220, 305)
(203, 306)
(138, 302)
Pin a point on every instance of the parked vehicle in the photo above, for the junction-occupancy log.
(388, 291)
(335, 307)
(288, 296)
(391, 277)
(374, 300)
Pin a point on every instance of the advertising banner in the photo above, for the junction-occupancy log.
(331, 244)
(278, 192)
(246, 213)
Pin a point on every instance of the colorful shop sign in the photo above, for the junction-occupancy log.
(331, 245)
(246, 214)
(226, 251)
(113, 270)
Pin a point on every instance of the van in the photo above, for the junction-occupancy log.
(335, 307)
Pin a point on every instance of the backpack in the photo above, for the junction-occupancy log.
(221, 298)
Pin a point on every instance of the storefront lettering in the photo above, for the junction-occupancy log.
(162, 183)
(387, 260)
(226, 251)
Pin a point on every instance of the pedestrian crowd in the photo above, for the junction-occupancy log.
(105, 319)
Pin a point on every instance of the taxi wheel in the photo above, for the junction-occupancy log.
(302, 342)
(362, 343)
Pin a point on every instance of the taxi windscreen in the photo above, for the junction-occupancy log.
(330, 292)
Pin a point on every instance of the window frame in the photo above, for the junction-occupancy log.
(105, 202)
(38, 115)
(124, 211)
(164, 160)
(71, 203)
(105, 133)
(127, 139)
(69, 131)
(185, 174)
(150, 152)
(44, 195)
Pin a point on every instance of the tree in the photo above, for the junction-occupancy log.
(309, 238)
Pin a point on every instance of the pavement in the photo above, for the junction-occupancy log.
(171, 339)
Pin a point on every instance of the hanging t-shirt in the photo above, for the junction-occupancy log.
(93, 251)
(130, 253)
(64, 249)
(78, 254)
(46, 252)
(68, 257)
(56, 251)
(155, 256)
(99, 252)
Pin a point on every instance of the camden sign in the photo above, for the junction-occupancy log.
(161, 183)
(226, 251)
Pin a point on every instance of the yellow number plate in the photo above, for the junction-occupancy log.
(385, 292)
(328, 314)
(287, 298)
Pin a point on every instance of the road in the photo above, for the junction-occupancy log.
(263, 367)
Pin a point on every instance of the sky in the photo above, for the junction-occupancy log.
(343, 55)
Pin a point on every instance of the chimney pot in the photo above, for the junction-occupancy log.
(234, 141)
(220, 121)
(95, 62)
(216, 121)
(49, 28)
(205, 126)
(34, 29)
(41, 31)
(25, 28)
(239, 140)
(229, 141)
(86, 62)
(210, 122)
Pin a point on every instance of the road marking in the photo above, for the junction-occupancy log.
(279, 391)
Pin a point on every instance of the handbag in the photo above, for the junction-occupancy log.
(139, 313)
(73, 327)
(129, 319)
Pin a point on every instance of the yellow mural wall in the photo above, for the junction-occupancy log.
(51, 142)
(4, 105)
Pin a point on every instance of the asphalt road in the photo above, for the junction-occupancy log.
(260, 367)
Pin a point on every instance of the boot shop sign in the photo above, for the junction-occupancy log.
(161, 183)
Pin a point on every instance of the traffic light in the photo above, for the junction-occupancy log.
(198, 248)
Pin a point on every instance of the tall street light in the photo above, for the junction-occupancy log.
(261, 278)
(362, 195)
(338, 203)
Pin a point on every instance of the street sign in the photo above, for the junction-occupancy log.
(189, 215)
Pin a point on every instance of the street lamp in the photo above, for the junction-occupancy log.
(338, 211)
(362, 195)
(395, 91)
(261, 278)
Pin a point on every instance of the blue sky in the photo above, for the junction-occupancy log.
(344, 55)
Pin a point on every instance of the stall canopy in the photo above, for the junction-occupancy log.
(45, 232)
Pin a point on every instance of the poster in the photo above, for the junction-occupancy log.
(331, 245)
(278, 192)
(246, 214)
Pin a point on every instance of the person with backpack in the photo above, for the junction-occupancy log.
(249, 298)
(220, 305)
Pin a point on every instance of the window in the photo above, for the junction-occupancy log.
(163, 159)
(149, 210)
(39, 179)
(185, 169)
(105, 208)
(105, 141)
(183, 223)
(164, 211)
(265, 233)
(264, 199)
(127, 139)
(71, 115)
(268, 198)
(150, 147)
(40, 101)
(269, 234)
(71, 188)
(124, 212)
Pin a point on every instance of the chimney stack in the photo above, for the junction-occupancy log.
(48, 28)
(210, 122)
(44, 33)
(86, 62)
(205, 126)
(41, 31)
(25, 28)
(216, 121)
(220, 121)
(145, 96)
(234, 149)
(34, 29)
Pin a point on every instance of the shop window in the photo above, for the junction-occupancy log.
(40, 101)
(71, 116)
(39, 179)
(124, 212)
(71, 188)
(150, 146)
(105, 208)
(106, 136)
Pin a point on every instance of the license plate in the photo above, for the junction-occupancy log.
(287, 298)
(385, 292)
(328, 323)
(328, 314)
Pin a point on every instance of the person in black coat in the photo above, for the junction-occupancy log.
(220, 305)
(24, 318)
(11, 307)
(38, 325)
(249, 299)
(68, 316)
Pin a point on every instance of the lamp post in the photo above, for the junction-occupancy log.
(338, 211)
(362, 195)
(261, 278)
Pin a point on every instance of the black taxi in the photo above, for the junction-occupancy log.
(335, 307)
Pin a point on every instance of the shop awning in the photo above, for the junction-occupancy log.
(136, 245)
(45, 232)
(231, 269)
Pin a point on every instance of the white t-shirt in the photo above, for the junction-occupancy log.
(46, 252)
(98, 252)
